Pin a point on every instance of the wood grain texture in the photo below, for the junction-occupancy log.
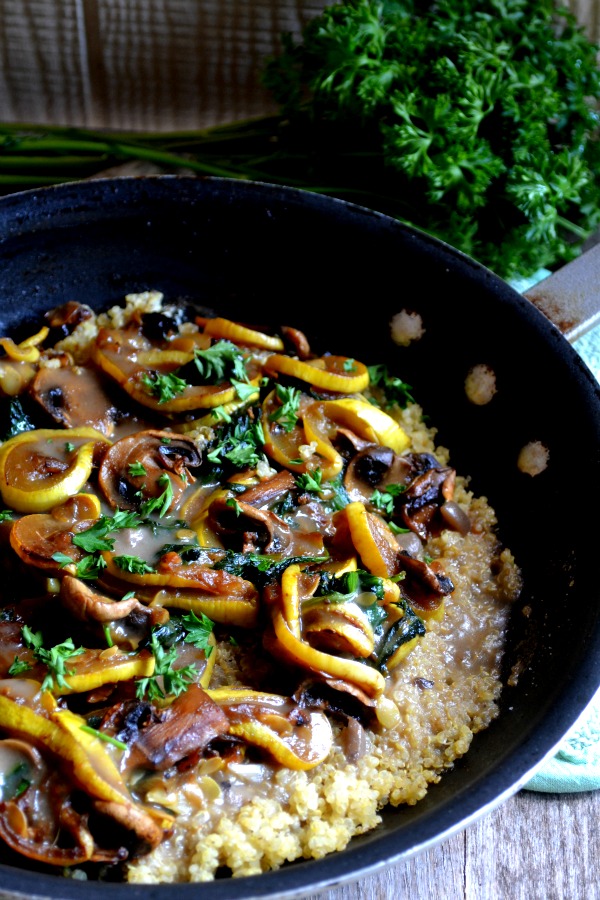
(151, 64)
(533, 847)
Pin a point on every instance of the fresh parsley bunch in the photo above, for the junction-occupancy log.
(474, 120)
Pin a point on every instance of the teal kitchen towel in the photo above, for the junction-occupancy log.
(576, 764)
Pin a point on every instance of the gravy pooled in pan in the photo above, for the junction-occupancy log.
(247, 601)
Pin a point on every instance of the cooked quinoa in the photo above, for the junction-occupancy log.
(246, 813)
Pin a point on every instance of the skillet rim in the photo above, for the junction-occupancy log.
(378, 850)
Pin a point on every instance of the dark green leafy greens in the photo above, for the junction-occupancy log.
(478, 120)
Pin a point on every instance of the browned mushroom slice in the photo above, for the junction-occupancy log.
(191, 722)
(425, 585)
(373, 468)
(338, 698)
(242, 527)
(298, 341)
(74, 396)
(38, 829)
(62, 320)
(137, 463)
(246, 522)
(129, 619)
(265, 494)
(420, 504)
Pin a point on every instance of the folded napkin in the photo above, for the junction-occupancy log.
(576, 764)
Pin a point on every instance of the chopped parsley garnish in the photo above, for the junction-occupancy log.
(54, 659)
(19, 666)
(238, 444)
(88, 568)
(310, 481)
(286, 415)
(243, 390)
(133, 564)
(233, 503)
(199, 631)
(166, 679)
(162, 502)
(6, 515)
(222, 361)
(396, 391)
(137, 470)
(95, 538)
(164, 387)
(384, 500)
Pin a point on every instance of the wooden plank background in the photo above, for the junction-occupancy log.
(151, 64)
(161, 65)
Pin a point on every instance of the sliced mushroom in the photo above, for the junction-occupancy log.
(88, 605)
(298, 341)
(64, 319)
(133, 465)
(425, 585)
(420, 504)
(374, 468)
(246, 523)
(74, 396)
(187, 726)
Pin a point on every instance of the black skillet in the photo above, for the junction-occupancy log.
(264, 254)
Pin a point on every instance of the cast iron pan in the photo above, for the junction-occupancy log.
(339, 272)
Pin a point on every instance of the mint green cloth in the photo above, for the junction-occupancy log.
(576, 764)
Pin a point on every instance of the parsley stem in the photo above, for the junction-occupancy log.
(104, 737)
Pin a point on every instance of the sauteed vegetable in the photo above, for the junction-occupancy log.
(247, 600)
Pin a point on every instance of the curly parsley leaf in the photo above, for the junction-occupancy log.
(384, 500)
(133, 564)
(163, 386)
(199, 631)
(54, 658)
(286, 414)
(396, 391)
(474, 121)
(223, 361)
(95, 537)
(167, 680)
(310, 481)
(162, 503)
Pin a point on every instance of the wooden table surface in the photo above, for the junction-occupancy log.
(533, 847)
(167, 64)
